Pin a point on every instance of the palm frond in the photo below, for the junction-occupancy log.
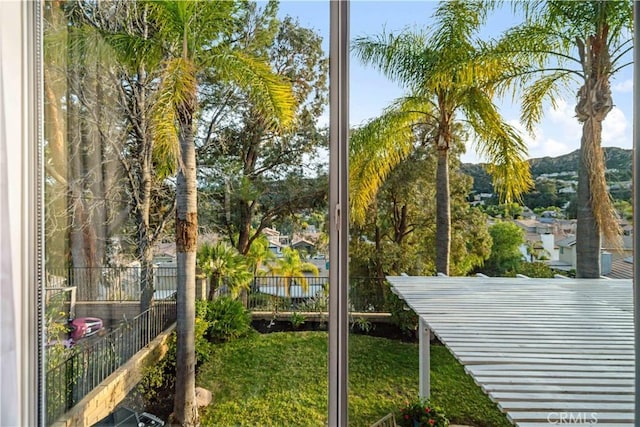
(501, 144)
(545, 88)
(379, 146)
(404, 58)
(457, 21)
(271, 93)
(176, 91)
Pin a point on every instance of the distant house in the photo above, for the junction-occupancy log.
(274, 236)
(534, 226)
(527, 213)
(567, 252)
(276, 248)
(304, 246)
(276, 240)
(567, 190)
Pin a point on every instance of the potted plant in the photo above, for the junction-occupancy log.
(422, 413)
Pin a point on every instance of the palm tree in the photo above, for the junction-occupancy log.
(222, 261)
(191, 37)
(259, 254)
(562, 43)
(292, 268)
(449, 78)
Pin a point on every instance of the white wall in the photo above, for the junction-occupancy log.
(548, 243)
(18, 337)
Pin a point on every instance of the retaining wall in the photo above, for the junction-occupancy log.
(103, 399)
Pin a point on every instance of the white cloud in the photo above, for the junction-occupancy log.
(564, 115)
(559, 133)
(550, 148)
(625, 86)
(615, 130)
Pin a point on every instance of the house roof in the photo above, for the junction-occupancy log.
(567, 242)
(270, 231)
(621, 269)
(302, 242)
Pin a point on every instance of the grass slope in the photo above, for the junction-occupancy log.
(280, 379)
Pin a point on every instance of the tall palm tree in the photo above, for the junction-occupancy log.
(561, 44)
(223, 262)
(449, 78)
(292, 268)
(191, 37)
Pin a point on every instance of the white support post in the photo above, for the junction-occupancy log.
(425, 359)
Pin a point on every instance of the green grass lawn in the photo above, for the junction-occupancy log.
(280, 379)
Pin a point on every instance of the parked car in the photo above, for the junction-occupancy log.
(83, 327)
(127, 417)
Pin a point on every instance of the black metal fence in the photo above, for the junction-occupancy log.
(112, 283)
(267, 293)
(90, 361)
(274, 293)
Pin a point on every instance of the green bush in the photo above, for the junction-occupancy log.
(297, 319)
(227, 320)
(536, 269)
(161, 375)
(422, 413)
(401, 315)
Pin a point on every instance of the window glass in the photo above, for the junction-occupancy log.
(146, 103)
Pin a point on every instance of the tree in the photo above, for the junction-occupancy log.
(259, 254)
(505, 256)
(292, 269)
(563, 43)
(152, 201)
(224, 264)
(85, 203)
(261, 176)
(447, 76)
(192, 37)
(504, 210)
(398, 233)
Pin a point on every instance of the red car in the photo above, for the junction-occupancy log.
(83, 327)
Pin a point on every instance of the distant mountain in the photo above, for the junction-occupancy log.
(618, 161)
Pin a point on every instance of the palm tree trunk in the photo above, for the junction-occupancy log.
(596, 214)
(443, 212)
(185, 409)
(215, 284)
(587, 233)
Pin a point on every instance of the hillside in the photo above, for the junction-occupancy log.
(618, 161)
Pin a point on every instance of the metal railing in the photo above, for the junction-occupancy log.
(92, 360)
(267, 293)
(111, 283)
(274, 293)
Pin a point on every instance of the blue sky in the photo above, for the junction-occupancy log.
(370, 92)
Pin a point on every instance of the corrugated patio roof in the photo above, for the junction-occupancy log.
(540, 348)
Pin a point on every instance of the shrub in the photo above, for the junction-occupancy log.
(297, 320)
(422, 413)
(401, 315)
(227, 319)
(362, 324)
(161, 376)
(535, 269)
